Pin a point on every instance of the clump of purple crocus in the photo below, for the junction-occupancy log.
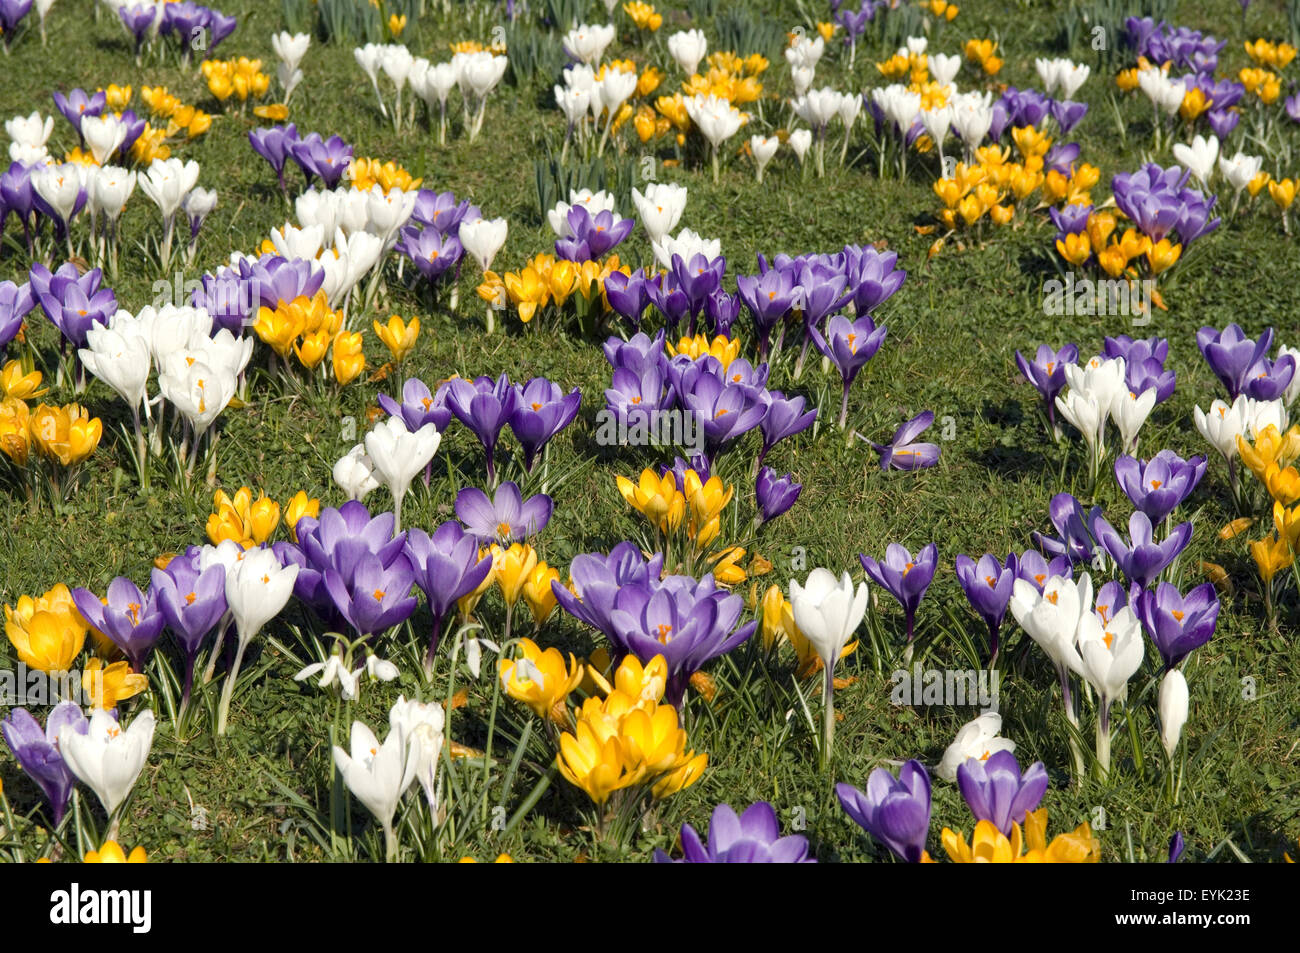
(753, 837)
(541, 411)
(1242, 364)
(592, 236)
(326, 159)
(1159, 485)
(275, 145)
(1144, 364)
(895, 811)
(484, 406)
(73, 301)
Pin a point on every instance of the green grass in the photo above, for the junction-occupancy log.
(953, 329)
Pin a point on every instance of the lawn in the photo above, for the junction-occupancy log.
(268, 790)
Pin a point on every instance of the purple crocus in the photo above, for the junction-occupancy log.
(76, 105)
(192, 601)
(1075, 540)
(73, 301)
(1035, 569)
(895, 811)
(698, 279)
(336, 542)
(598, 578)
(1178, 624)
(16, 302)
(903, 452)
(1176, 845)
(628, 295)
(725, 410)
(769, 298)
(327, 159)
(592, 236)
(687, 621)
(506, 518)
(752, 838)
(36, 750)
(11, 12)
(419, 406)
(785, 417)
(996, 791)
(988, 585)
(1141, 559)
(1231, 354)
(275, 145)
(372, 594)
(1268, 379)
(774, 494)
(484, 406)
(433, 252)
(905, 576)
(447, 567)
(541, 411)
(722, 309)
(1067, 113)
(1157, 486)
(442, 212)
(849, 345)
(279, 281)
(138, 20)
(873, 276)
(129, 618)
(1111, 599)
(1047, 373)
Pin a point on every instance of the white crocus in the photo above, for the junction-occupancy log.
(104, 136)
(290, 48)
(828, 611)
(660, 208)
(483, 238)
(1223, 425)
(1129, 412)
(1240, 170)
(686, 245)
(378, 774)
(119, 356)
(355, 473)
(1173, 709)
(687, 48)
(368, 58)
(291, 242)
(716, 119)
(1262, 414)
(763, 149)
(799, 141)
(257, 590)
(976, 739)
(587, 42)
(943, 67)
(1293, 389)
(1199, 157)
(423, 724)
(397, 455)
(31, 131)
(107, 758)
(1111, 656)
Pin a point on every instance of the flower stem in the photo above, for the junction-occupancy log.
(228, 690)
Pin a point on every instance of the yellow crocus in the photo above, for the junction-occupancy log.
(538, 594)
(111, 853)
(1074, 247)
(1282, 193)
(1287, 523)
(542, 680)
(15, 434)
(67, 434)
(465, 604)
(347, 357)
(398, 336)
(1163, 255)
(47, 632)
(299, 506)
(1272, 555)
(117, 97)
(1077, 847)
(1270, 448)
(511, 569)
(20, 385)
(643, 15)
(656, 498)
(1283, 483)
(108, 684)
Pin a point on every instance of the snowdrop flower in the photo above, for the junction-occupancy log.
(483, 238)
(106, 758)
(687, 245)
(977, 739)
(355, 473)
(1173, 709)
(397, 455)
(331, 672)
(799, 141)
(763, 149)
(687, 48)
(1199, 157)
(660, 208)
(104, 136)
(378, 775)
(473, 648)
(380, 670)
(943, 68)
(587, 43)
(828, 611)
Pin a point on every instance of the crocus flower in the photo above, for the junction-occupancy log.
(1033, 568)
(76, 105)
(73, 301)
(987, 586)
(1176, 845)
(327, 159)
(258, 587)
(129, 618)
(769, 298)
(597, 579)
(873, 276)
(371, 594)
(1142, 559)
(1157, 486)
(774, 494)
(379, 774)
(192, 600)
(1173, 709)
(592, 236)
(904, 576)
(784, 418)
(996, 791)
(903, 452)
(628, 296)
(419, 406)
(827, 612)
(1231, 354)
(433, 252)
(849, 345)
(447, 567)
(895, 811)
(37, 753)
(726, 410)
(506, 518)
(1268, 379)
(977, 740)
(754, 837)
(16, 302)
(1047, 373)
(484, 406)
(105, 757)
(1111, 656)
(541, 411)
(398, 454)
(1075, 541)
(275, 145)
(1178, 624)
